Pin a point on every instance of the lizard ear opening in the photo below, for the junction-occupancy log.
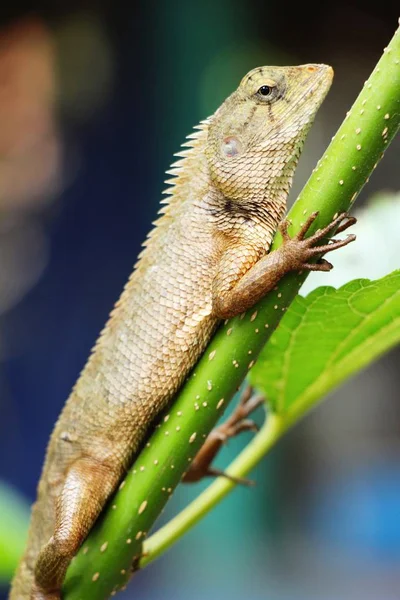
(231, 146)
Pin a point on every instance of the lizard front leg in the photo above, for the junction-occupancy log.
(230, 300)
(87, 486)
(233, 296)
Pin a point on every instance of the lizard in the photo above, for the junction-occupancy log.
(205, 260)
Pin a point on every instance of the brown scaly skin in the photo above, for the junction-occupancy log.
(205, 260)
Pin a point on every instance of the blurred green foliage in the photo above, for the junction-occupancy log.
(14, 517)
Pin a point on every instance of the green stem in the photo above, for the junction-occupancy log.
(102, 566)
(273, 429)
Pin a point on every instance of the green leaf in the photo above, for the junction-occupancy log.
(325, 338)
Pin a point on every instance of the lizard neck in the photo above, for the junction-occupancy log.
(244, 221)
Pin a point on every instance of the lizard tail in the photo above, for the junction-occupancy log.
(40, 530)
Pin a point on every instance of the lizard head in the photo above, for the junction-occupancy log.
(256, 136)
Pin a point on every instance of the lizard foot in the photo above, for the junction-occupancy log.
(235, 424)
(299, 250)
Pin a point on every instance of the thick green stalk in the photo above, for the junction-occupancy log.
(102, 565)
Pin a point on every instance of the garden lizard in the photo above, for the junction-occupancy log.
(206, 259)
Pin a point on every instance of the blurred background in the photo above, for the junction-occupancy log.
(95, 96)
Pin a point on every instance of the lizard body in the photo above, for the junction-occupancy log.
(206, 259)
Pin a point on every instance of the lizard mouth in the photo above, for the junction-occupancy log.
(319, 81)
(315, 88)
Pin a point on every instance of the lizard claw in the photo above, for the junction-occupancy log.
(304, 229)
(283, 229)
(321, 265)
(301, 249)
(347, 223)
(211, 472)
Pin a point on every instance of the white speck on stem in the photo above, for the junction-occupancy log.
(192, 438)
(142, 507)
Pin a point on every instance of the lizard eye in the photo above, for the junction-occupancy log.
(265, 90)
